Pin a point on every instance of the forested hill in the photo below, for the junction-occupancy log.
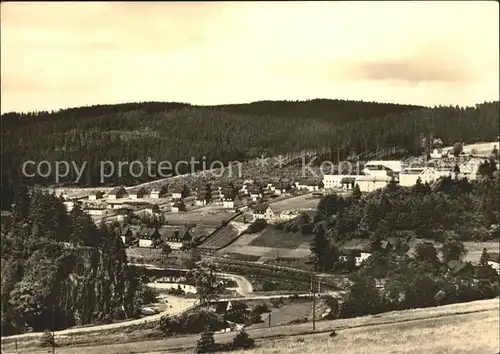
(336, 111)
(177, 131)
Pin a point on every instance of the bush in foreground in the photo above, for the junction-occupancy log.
(206, 343)
(243, 341)
(47, 340)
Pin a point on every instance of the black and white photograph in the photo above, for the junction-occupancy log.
(257, 177)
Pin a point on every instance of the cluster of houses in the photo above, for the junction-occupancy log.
(139, 236)
(378, 174)
(227, 195)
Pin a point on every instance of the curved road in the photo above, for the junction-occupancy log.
(177, 306)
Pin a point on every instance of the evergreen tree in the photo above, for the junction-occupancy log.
(21, 203)
(356, 193)
(319, 246)
(206, 343)
(242, 341)
(452, 250)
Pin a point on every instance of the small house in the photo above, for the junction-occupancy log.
(94, 195)
(95, 211)
(175, 238)
(230, 202)
(126, 235)
(158, 193)
(148, 237)
(177, 193)
(308, 185)
(177, 207)
(201, 199)
(263, 211)
(136, 193)
(222, 307)
(117, 193)
(255, 193)
(280, 187)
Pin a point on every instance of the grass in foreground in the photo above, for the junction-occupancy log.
(459, 328)
(470, 333)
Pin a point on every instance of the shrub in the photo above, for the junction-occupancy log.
(255, 317)
(243, 341)
(256, 226)
(206, 343)
(261, 308)
(190, 323)
(268, 285)
(47, 340)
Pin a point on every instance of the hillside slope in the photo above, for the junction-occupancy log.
(178, 132)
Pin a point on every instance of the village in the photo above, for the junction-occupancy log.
(211, 214)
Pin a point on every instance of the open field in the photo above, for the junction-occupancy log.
(273, 240)
(479, 148)
(459, 328)
(474, 249)
(441, 335)
(272, 237)
(301, 202)
(210, 215)
(287, 313)
(221, 238)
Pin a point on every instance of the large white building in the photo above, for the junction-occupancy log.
(382, 167)
(372, 183)
(409, 176)
(332, 181)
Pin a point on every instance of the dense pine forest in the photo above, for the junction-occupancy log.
(178, 131)
(60, 270)
(468, 211)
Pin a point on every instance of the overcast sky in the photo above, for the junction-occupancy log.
(58, 55)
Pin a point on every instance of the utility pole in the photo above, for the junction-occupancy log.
(314, 307)
(53, 329)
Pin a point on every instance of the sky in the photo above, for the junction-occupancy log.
(66, 54)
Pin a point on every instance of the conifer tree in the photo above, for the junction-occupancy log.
(206, 343)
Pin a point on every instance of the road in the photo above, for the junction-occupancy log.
(177, 305)
(244, 286)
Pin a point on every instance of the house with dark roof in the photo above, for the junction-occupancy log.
(348, 182)
(117, 193)
(222, 307)
(262, 211)
(308, 184)
(125, 234)
(231, 201)
(280, 187)
(177, 207)
(158, 193)
(177, 192)
(148, 236)
(201, 198)
(136, 193)
(255, 193)
(175, 238)
(94, 195)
